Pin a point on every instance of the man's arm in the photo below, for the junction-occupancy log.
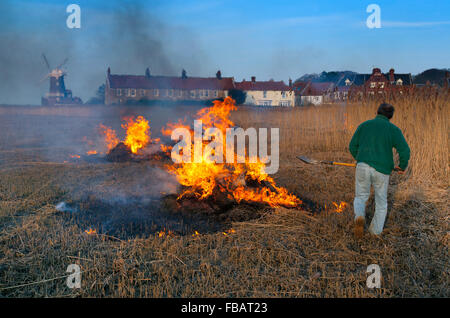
(402, 148)
(354, 143)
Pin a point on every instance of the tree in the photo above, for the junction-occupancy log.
(99, 96)
(238, 95)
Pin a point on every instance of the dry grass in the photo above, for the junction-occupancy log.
(286, 253)
(424, 122)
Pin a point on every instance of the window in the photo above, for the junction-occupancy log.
(265, 94)
(192, 94)
(347, 82)
(373, 84)
(201, 93)
(399, 82)
(381, 84)
(215, 93)
(171, 92)
(206, 93)
(118, 92)
(133, 92)
(128, 92)
(283, 94)
(156, 92)
(142, 92)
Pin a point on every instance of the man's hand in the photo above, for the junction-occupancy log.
(399, 170)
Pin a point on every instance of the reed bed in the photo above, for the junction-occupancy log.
(284, 253)
(424, 121)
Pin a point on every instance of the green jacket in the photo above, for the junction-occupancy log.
(373, 141)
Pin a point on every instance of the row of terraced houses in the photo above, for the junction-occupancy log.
(125, 89)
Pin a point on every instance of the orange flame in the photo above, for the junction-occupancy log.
(339, 208)
(90, 231)
(91, 152)
(110, 137)
(167, 131)
(228, 232)
(75, 156)
(138, 133)
(203, 178)
(163, 233)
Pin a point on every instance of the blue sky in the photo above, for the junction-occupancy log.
(268, 39)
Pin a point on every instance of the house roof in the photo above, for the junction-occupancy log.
(170, 82)
(312, 88)
(298, 87)
(262, 86)
(360, 79)
(406, 78)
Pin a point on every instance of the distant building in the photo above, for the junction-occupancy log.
(267, 93)
(379, 83)
(312, 93)
(123, 89)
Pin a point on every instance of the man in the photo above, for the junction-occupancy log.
(371, 146)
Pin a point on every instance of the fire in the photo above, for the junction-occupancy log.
(163, 233)
(339, 208)
(110, 137)
(91, 152)
(202, 178)
(75, 156)
(228, 232)
(167, 131)
(90, 231)
(138, 133)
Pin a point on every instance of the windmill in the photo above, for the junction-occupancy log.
(58, 94)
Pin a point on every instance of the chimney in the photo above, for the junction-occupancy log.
(253, 79)
(376, 70)
(147, 72)
(290, 82)
(219, 74)
(391, 75)
(183, 74)
(109, 71)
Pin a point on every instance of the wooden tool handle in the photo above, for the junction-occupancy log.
(344, 164)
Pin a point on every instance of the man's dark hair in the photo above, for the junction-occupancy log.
(386, 110)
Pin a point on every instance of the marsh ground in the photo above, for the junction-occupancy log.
(304, 252)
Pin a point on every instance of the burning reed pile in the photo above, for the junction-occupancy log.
(137, 145)
(207, 184)
(219, 186)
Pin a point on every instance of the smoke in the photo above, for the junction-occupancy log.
(126, 36)
(139, 38)
(20, 54)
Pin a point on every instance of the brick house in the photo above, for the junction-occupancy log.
(379, 83)
(123, 89)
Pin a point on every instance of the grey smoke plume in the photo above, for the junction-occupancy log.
(126, 36)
